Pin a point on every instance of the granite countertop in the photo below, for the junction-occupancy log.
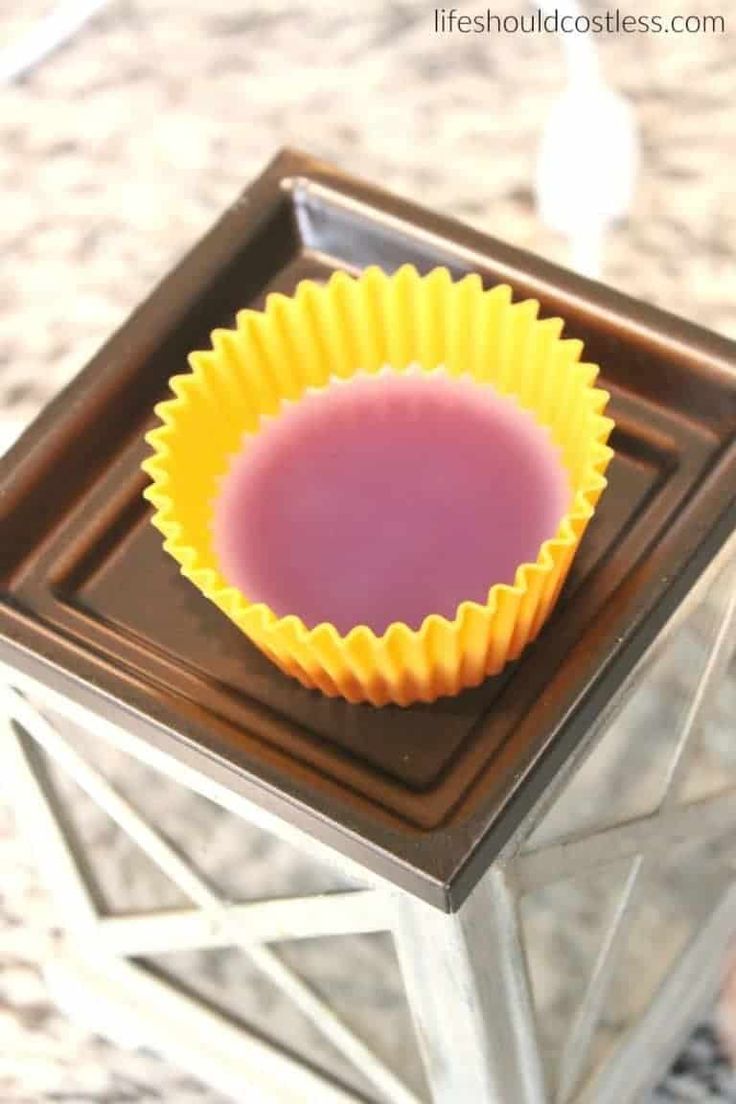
(120, 149)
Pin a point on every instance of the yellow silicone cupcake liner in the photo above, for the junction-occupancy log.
(357, 325)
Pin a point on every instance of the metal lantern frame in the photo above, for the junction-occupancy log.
(473, 1006)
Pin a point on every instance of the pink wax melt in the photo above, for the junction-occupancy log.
(387, 498)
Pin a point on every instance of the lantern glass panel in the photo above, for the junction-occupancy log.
(564, 925)
(627, 773)
(239, 860)
(712, 769)
(679, 891)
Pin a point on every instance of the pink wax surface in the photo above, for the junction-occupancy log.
(387, 498)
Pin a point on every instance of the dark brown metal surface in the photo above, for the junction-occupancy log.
(425, 796)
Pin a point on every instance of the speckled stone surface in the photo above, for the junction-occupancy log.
(119, 151)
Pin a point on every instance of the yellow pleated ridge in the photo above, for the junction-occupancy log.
(363, 324)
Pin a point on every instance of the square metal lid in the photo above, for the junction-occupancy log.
(424, 796)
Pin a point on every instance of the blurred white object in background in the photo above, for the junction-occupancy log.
(10, 431)
(47, 35)
(588, 155)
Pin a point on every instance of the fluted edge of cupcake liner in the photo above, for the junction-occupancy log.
(350, 325)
